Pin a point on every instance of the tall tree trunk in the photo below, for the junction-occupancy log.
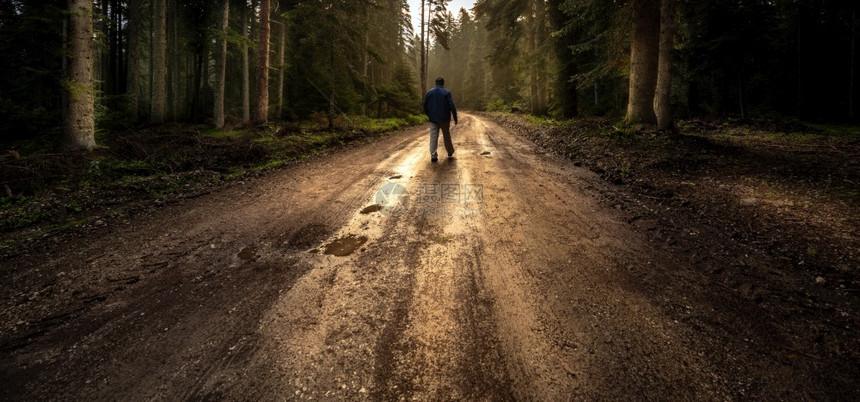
(423, 68)
(246, 68)
(205, 84)
(365, 61)
(281, 67)
(101, 72)
(852, 72)
(195, 89)
(799, 104)
(159, 61)
(190, 85)
(644, 51)
(64, 99)
(116, 22)
(262, 114)
(222, 67)
(99, 58)
(331, 106)
(173, 71)
(430, 13)
(120, 54)
(79, 124)
(565, 90)
(543, 82)
(178, 100)
(110, 19)
(663, 96)
(532, 46)
(135, 53)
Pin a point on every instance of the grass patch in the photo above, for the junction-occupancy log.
(839, 131)
(214, 133)
(370, 125)
(544, 121)
(22, 213)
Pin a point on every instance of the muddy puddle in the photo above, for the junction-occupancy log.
(485, 153)
(247, 253)
(395, 177)
(371, 208)
(345, 246)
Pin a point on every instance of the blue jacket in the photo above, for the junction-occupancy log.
(439, 105)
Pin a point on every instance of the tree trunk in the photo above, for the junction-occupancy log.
(281, 67)
(331, 106)
(135, 53)
(188, 83)
(110, 22)
(180, 103)
(644, 51)
(851, 78)
(246, 68)
(565, 90)
(64, 99)
(116, 24)
(423, 68)
(121, 71)
(173, 72)
(195, 89)
(262, 111)
(205, 84)
(79, 124)
(799, 104)
(532, 55)
(543, 82)
(159, 61)
(222, 67)
(430, 13)
(365, 61)
(663, 96)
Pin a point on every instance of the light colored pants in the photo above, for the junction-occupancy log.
(446, 137)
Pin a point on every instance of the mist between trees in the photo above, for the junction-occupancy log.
(78, 66)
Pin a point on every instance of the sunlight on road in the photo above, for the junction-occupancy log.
(409, 166)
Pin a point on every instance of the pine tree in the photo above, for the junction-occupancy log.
(79, 124)
(222, 67)
(644, 54)
(262, 112)
(135, 57)
(159, 61)
(663, 95)
(246, 66)
(282, 66)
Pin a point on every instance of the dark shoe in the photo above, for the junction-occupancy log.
(451, 155)
(434, 159)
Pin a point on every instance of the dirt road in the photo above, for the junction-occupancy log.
(501, 274)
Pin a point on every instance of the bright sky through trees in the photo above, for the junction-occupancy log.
(454, 7)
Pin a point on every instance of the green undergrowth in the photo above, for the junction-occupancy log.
(135, 170)
(840, 131)
(766, 130)
(544, 121)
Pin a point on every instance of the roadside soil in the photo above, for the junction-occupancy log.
(504, 273)
(138, 170)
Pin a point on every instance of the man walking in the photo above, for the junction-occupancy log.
(439, 106)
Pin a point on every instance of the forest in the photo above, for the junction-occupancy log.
(74, 68)
(234, 200)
